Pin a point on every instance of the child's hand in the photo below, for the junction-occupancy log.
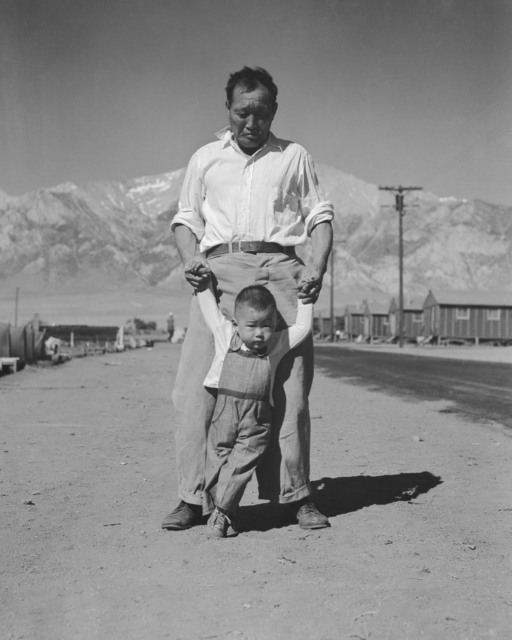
(198, 273)
(309, 286)
(196, 265)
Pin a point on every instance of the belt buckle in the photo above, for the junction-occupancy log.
(251, 247)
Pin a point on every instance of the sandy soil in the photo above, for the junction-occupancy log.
(420, 504)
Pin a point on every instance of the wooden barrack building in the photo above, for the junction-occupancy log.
(473, 316)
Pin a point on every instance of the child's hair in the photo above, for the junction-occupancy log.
(257, 297)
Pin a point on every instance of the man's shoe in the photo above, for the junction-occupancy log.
(220, 525)
(183, 517)
(308, 516)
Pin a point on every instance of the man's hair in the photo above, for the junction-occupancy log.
(248, 79)
(257, 297)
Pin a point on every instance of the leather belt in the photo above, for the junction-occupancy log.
(250, 246)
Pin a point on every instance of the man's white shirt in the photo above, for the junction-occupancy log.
(271, 196)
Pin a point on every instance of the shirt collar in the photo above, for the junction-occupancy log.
(225, 135)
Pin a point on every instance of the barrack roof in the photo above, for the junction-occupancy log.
(473, 298)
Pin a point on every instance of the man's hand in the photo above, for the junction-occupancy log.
(198, 273)
(310, 286)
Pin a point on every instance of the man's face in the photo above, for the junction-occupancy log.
(255, 327)
(250, 116)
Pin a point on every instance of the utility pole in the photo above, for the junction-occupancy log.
(400, 208)
(335, 241)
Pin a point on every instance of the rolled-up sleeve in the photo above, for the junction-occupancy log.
(315, 208)
(191, 200)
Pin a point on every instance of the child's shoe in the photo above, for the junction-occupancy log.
(220, 525)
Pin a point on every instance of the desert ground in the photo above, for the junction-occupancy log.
(420, 502)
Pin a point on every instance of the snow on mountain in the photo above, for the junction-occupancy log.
(158, 195)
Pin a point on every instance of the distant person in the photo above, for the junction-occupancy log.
(247, 352)
(247, 201)
(170, 326)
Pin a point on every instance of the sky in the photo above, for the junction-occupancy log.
(410, 92)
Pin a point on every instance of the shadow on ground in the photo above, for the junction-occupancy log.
(336, 496)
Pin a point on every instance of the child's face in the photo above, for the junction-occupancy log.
(255, 327)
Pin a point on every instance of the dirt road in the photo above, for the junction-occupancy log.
(420, 504)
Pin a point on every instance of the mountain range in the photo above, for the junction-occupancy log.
(105, 234)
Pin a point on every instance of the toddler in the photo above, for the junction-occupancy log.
(247, 352)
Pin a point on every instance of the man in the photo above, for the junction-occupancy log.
(247, 201)
(170, 326)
